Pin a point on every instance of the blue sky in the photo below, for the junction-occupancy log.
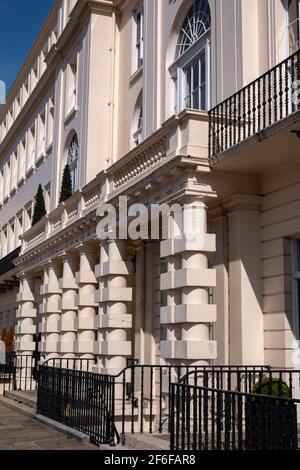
(20, 23)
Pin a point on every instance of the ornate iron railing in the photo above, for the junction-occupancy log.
(265, 101)
(19, 372)
(7, 263)
(203, 418)
(78, 399)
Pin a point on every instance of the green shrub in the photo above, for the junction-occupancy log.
(271, 386)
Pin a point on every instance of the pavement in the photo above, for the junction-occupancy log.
(20, 432)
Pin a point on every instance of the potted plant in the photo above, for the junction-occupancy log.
(271, 417)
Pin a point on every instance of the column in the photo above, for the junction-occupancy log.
(26, 316)
(69, 308)
(114, 322)
(188, 313)
(246, 327)
(85, 301)
(51, 310)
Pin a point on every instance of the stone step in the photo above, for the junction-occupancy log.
(146, 442)
(21, 407)
(26, 398)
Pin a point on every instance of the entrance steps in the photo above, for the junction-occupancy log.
(26, 398)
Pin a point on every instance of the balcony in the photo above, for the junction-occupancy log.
(266, 113)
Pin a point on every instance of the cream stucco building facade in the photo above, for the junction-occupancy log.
(121, 91)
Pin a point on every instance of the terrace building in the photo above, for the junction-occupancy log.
(163, 101)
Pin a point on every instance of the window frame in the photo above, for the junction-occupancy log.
(177, 71)
(288, 25)
(73, 165)
(139, 121)
(138, 39)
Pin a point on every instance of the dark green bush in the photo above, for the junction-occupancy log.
(271, 386)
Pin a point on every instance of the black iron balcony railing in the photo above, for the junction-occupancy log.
(7, 263)
(267, 100)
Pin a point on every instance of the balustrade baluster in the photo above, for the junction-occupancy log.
(254, 107)
(280, 92)
(249, 110)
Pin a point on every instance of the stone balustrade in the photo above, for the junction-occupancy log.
(185, 134)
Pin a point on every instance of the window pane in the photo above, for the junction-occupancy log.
(196, 76)
(203, 67)
(196, 104)
(188, 80)
(203, 97)
(293, 20)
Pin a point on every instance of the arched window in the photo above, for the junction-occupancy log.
(190, 70)
(72, 161)
(138, 122)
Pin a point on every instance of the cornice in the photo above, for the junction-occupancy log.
(82, 9)
(242, 202)
(68, 239)
(34, 99)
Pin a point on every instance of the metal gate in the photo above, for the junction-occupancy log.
(79, 399)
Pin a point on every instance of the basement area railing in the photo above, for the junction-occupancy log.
(80, 400)
(265, 101)
(153, 400)
(19, 372)
(205, 418)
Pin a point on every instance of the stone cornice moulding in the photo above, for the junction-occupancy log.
(239, 202)
(43, 86)
(80, 12)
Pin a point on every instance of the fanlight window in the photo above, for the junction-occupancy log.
(191, 69)
(72, 160)
(196, 24)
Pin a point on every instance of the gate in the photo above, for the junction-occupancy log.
(82, 400)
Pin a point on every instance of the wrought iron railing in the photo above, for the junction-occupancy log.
(138, 400)
(82, 400)
(7, 263)
(265, 101)
(144, 391)
(19, 372)
(205, 418)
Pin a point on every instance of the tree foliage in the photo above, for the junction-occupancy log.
(66, 185)
(39, 207)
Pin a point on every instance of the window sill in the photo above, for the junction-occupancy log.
(21, 180)
(49, 148)
(13, 191)
(29, 172)
(136, 75)
(71, 114)
(41, 158)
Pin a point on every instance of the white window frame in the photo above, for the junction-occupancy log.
(139, 121)
(177, 72)
(288, 25)
(138, 41)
